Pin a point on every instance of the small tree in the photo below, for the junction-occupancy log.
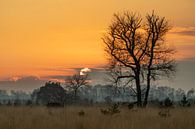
(75, 82)
(167, 103)
(108, 100)
(51, 93)
(184, 102)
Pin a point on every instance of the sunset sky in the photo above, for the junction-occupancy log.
(48, 38)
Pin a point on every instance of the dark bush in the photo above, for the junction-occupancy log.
(113, 109)
(184, 102)
(166, 103)
(51, 94)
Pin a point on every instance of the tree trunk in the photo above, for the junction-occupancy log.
(149, 72)
(139, 94)
(147, 90)
(75, 95)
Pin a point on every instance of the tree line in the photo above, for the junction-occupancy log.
(54, 94)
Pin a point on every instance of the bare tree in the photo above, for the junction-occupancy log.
(133, 46)
(115, 73)
(123, 46)
(76, 81)
(159, 57)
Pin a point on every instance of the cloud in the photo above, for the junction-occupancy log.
(59, 69)
(186, 31)
(56, 78)
(22, 83)
(96, 75)
(184, 78)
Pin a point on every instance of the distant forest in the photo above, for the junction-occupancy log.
(55, 94)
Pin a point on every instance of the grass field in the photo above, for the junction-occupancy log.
(68, 118)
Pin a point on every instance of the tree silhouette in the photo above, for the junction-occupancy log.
(75, 82)
(159, 59)
(51, 93)
(184, 102)
(137, 52)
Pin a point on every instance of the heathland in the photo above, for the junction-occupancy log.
(90, 117)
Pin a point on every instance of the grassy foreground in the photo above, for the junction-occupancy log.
(68, 118)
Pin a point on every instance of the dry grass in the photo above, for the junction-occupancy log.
(68, 118)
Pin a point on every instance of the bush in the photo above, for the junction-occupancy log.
(52, 94)
(81, 113)
(108, 100)
(184, 102)
(130, 106)
(113, 109)
(164, 113)
(166, 103)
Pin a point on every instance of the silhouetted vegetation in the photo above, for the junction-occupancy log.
(111, 110)
(81, 113)
(75, 82)
(167, 103)
(185, 102)
(137, 52)
(131, 106)
(52, 94)
(164, 113)
(108, 100)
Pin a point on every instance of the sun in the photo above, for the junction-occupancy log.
(84, 71)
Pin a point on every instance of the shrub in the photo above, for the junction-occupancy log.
(164, 113)
(113, 109)
(131, 106)
(167, 103)
(184, 102)
(81, 113)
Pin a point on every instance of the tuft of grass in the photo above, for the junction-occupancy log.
(113, 109)
(81, 113)
(164, 113)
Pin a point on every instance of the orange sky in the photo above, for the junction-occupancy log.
(43, 37)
